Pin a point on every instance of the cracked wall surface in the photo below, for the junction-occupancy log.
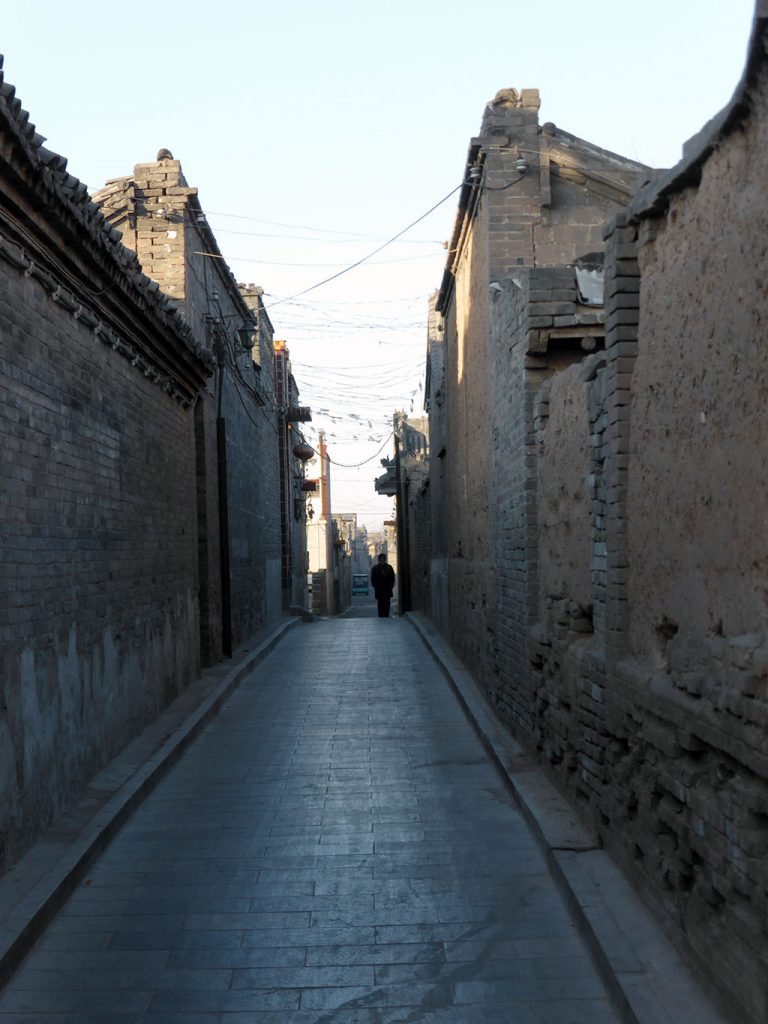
(652, 712)
(628, 638)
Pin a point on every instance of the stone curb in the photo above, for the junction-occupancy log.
(26, 922)
(644, 975)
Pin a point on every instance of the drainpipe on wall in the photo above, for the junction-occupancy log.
(221, 461)
(403, 578)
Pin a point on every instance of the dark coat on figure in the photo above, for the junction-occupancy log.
(383, 579)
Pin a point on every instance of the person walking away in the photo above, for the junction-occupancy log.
(383, 580)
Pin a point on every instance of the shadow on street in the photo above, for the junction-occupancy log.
(365, 608)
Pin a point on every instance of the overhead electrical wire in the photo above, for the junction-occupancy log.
(388, 242)
(353, 397)
(333, 315)
(370, 255)
(371, 370)
(317, 318)
(258, 399)
(364, 259)
(396, 378)
(295, 227)
(372, 386)
(352, 302)
(354, 372)
(347, 403)
(345, 407)
(36, 244)
(240, 382)
(353, 465)
(346, 240)
(344, 391)
(331, 326)
(291, 263)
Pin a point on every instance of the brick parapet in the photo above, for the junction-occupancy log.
(511, 410)
(508, 135)
(622, 305)
(66, 219)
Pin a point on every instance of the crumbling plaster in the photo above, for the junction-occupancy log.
(699, 395)
(565, 591)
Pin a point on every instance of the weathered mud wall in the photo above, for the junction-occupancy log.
(653, 715)
(697, 546)
(563, 504)
(627, 490)
(700, 388)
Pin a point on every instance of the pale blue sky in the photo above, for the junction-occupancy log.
(355, 118)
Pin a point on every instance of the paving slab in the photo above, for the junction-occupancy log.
(342, 844)
(335, 845)
(32, 892)
(645, 975)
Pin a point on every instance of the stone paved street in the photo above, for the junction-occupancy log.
(334, 848)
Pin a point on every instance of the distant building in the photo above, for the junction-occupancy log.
(377, 544)
(355, 538)
(406, 479)
(294, 489)
(329, 563)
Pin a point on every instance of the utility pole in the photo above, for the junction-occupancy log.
(221, 460)
(403, 553)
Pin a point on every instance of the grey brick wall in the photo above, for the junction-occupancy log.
(294, 560)
(465, 469)
(437, 496)
(160, 216)
(534, 198)
(98, 592)
(514, 483)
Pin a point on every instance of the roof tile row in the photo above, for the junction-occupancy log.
(73, 195)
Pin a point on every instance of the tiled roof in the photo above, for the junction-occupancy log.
(56, 186)
(124, 196)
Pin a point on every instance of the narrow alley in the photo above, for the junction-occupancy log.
(335, 847)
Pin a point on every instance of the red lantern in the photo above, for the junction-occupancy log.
(303, 451)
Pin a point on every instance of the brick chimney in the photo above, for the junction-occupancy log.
(509, 138)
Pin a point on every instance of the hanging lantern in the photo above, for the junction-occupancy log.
(303, 451)
(246, 336)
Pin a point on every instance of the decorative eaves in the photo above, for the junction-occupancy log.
(60, 189)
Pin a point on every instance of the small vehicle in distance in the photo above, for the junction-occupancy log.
(360, 583)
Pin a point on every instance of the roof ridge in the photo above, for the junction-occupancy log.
(73, 194)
